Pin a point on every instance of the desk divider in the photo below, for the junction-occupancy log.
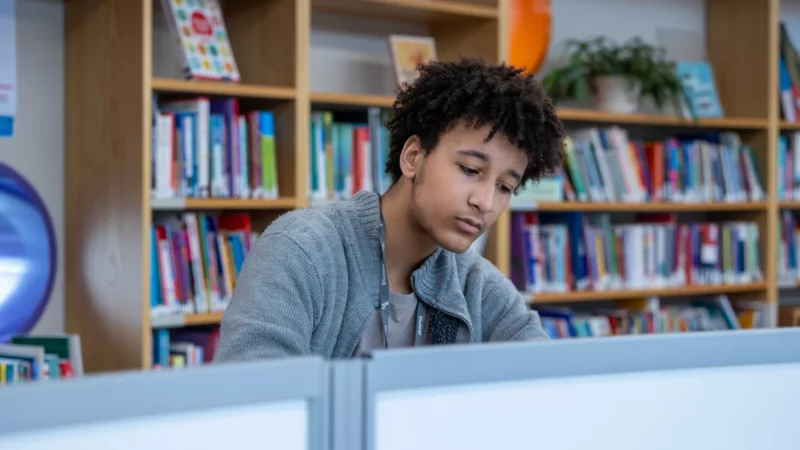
(347, 404)
(121, 396)
(428, 367)
(342, 394)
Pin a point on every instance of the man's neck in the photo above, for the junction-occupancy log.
(407, 244)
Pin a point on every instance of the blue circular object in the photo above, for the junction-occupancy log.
(27, 255)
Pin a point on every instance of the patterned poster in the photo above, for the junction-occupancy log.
(202, 38)
(8, 68)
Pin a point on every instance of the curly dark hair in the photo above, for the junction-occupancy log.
(470, 90)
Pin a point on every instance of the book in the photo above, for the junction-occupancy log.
(201, 39)
(66, 348)
(182, 348)
(407, 53)
(22, 363)
(697, 80)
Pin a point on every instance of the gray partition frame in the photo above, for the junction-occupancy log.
(466, 364)
(128, 395)
(347, 404)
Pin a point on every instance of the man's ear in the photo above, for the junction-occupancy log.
(411, 157)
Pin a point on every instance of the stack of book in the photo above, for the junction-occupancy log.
(566, 252)
(177, 349)
(196, 258)
(37, 358)
(607, 165)
(207, 148)
(349, 151)
(650, 316)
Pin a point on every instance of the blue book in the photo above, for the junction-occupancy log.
(697, 80)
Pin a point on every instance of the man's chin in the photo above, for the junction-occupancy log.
(458, 244)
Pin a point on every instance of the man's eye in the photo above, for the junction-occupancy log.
(467, 170)
(505, 189)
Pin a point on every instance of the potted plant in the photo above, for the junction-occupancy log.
(618, 74)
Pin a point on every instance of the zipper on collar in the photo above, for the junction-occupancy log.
(446, 311)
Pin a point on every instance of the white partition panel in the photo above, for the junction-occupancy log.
(270, 404)
(688, 391)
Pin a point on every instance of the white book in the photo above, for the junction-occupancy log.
(201, 107)
(165, 131)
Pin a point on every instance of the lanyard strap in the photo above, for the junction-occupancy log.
(383, 304)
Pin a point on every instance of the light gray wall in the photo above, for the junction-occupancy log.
(37, 148)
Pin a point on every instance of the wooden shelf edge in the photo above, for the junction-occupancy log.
(442, 6)
(790, 126)
(628, 294)
(185, 320)
(203, 319)
(222, 89)
(404, 9)
(179, 204)
(587, 115)
(788, 204)
(520, 206)
(355, 100)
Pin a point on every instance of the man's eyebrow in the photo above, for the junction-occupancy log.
(475, 154)
(514, 174)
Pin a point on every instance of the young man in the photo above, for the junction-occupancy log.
(463, 138)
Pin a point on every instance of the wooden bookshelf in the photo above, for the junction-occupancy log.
(110, 83)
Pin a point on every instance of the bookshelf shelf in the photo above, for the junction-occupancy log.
(221, 203)
(790, 126)
(638, 207)
(408, 10)
(729, 123)
(202, 319)
(185, 320)
(585, 296)
(351, 100)
(221, 89)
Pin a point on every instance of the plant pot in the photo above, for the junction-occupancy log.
(617, 94)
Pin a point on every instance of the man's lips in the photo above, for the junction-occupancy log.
(469, 225)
